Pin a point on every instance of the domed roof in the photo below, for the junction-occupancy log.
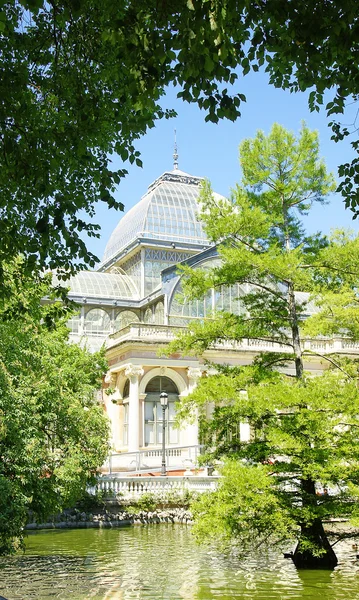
(167, 212)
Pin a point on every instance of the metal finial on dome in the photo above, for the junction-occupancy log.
(175, 154)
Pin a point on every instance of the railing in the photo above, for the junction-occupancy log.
(166, 333)
(133, 487)
(179, 457)
(140, 331)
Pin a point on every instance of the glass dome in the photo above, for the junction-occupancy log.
(167, 212)
(100, 285)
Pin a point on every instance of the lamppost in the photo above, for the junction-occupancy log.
(164, 402)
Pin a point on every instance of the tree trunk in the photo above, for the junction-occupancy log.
(313, 550)
(292, 309)
(295, 332)
(303, 556)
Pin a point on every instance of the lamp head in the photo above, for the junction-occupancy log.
(164, 398)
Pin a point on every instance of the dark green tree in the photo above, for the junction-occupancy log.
(304, 430)
(53, 433)
(81, 81)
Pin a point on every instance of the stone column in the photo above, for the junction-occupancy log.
(194, 373)
(134, 372)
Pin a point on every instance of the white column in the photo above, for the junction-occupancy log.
(194, 373)
(134, 372)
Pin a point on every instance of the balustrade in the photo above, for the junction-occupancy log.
(133, 487)
(167, 333)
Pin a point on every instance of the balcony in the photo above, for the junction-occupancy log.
(140, 332)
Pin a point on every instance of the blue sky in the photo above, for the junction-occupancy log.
(211, 151)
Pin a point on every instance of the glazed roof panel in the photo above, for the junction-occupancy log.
(100, 285)
(167, 212)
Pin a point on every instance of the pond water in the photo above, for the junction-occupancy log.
(161, 562)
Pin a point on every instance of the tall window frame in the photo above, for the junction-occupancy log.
(153, 412)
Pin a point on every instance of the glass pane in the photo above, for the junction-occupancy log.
(159, 411)
(171, 411)
(173, 435)
(161, 384)
(159, 433)
(148, 318)
(74, 323)
(149, 411)
(149, 434)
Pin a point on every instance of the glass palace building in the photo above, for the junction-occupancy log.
(131, 304)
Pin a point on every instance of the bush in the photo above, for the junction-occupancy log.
(150, 501)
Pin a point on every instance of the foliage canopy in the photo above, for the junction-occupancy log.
(83, 80)
(53, 433)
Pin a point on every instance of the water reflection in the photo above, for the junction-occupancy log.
(161, 562)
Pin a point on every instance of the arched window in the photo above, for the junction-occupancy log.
(124, 318)
(159, 313)
(182, 310)
(154, 414)
(97, 322)
(224, 298)
(148, 318)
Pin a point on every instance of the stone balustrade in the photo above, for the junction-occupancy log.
(134, 487)
(166, 333)
(140, 331)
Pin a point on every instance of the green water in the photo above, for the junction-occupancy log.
(161, 562)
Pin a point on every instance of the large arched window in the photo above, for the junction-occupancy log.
(97, 322)
(153, 413)
(124, 318)
(224, 298)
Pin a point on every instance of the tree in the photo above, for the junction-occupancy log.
(82, 81)
(69, 101)
(304, 430)
(299, 468)
(53, 433)
(335, 290)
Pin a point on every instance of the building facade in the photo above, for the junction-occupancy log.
(132, 304)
